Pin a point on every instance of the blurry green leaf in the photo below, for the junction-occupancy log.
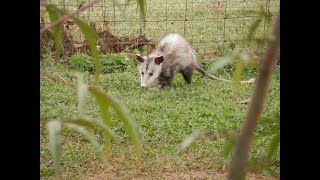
(262, 14)
(228, 148)
(90, 123)
(253, 61)
(229, 145)
(104, 105)
(90, 137)
(82, 93)
(54, 14)
(91, 37)
(188, 140)
(220, 63)
(54, 128)
(253, 29)
(244, 57)
(123, 114)
(238, 70)
(108, 134)
(273, 145)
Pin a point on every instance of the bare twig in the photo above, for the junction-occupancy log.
(240, 155)
(56, 78)
(133, 45)
(250, 81)
(65, 17)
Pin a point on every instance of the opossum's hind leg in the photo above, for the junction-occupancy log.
(187, 73)
(164, 81)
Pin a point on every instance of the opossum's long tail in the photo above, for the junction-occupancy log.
(205, 73)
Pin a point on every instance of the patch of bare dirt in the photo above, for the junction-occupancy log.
(186, 175)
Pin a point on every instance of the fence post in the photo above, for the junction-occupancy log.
(224, 22)
(166, 16)
(185, 19)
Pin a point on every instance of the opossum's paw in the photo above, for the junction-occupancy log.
(159, 86)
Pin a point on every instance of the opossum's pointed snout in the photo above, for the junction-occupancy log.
(143, 86)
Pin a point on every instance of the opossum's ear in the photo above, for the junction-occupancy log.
(158, 60)
(139, 58)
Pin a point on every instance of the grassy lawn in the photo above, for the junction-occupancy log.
(164, 118)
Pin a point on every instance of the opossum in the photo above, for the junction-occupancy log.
(173, 54)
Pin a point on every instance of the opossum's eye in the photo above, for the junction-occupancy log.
(151, 74)
(142, 73)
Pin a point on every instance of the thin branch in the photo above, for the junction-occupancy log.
(65, 17)
(240, 155)
(56, 78)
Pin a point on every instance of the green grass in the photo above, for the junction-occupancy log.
(164, 118)
(168, 116)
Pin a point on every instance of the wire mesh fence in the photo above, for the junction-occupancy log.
(206, 24)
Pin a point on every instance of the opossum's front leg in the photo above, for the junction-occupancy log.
(164, 81)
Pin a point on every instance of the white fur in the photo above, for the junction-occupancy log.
(146, 78)
(176, 52)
